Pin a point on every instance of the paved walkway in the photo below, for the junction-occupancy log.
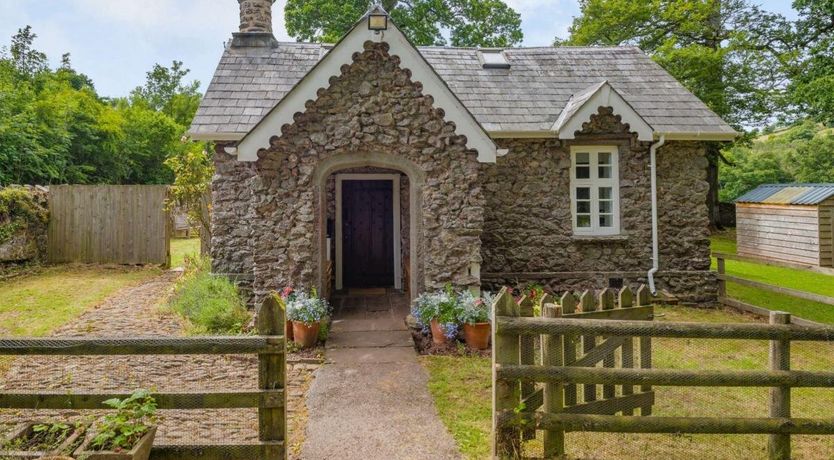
(370, 400)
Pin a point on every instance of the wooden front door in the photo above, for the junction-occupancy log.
(367, 233)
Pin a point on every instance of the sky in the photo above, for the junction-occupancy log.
(115, 42)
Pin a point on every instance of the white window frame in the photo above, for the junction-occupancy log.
(594, 183)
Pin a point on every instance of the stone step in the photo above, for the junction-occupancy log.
(375, 339)
(353, 356)
(386, 323)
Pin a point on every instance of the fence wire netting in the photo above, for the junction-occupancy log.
(565, 337)
(188, 376)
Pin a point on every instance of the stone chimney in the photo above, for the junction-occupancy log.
(256, 16)
(255, 25)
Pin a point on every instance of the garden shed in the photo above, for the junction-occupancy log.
(787, 222)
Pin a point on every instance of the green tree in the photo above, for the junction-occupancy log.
(812, 70)
(487, 23)
(166, 90)
(813, 161)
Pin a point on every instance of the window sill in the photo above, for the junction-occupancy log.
(599, 238)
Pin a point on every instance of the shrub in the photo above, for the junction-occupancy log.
(211, 303)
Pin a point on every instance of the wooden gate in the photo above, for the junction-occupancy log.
(574, 350)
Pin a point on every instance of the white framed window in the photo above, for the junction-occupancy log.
(595, 190)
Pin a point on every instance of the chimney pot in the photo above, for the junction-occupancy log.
(256, 16)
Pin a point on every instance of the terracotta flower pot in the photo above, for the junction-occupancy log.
(305, 335)
(477, 335)
(290, 335)
(437, 335)
(140, 451)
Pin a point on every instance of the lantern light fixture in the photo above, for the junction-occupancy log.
(377, 22)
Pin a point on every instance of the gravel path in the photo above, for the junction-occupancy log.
(135, 311)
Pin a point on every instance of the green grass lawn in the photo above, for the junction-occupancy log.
(35, 305)
(786, 277)
(462, 393)
(180, 247)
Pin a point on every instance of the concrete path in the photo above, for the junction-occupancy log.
(370, 401)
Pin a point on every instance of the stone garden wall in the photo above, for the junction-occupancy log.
(376, 115)
(23, 234)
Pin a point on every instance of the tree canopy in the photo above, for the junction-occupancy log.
(487, 23)
(55, 128)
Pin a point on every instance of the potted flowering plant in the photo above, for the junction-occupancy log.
(474, 314)
(437, 312)
(307, 311)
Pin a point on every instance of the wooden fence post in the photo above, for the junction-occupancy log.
(644, 298)
(554, 400)
(506, 394)
(606, 302)
(626, 300)
(568, 303)
(722, 285)
(779, 445)
(527, 356)
(588, 303)
(272, 374)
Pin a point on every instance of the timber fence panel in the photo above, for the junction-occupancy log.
(270, 398)
(506, 443)
(556, 372)
(119, 224)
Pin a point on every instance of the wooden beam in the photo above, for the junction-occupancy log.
(219, 452)
(666, 377)
(774, 263)
(748, 331)
(11, 399)
(764, 312)
(142, 345)
(778, 289)
(705, 425)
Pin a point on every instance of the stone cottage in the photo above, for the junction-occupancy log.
(406, 167)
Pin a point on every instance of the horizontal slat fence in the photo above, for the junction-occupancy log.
(724, 278)
(119, 224)
(270, 398)
(557, 375)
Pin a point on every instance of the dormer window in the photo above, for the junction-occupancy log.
(493, 59)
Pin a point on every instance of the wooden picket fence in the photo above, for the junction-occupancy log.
(270, 398)
(576, 350)
(559, 373)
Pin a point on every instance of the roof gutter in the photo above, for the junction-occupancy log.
(655, 243)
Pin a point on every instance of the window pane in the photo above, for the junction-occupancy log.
(604, 158)
(583, 207)
(583, 193)
(605, 193)
(606, 220)
(605, 207)
(583, 158)
(583, 221)
(583, 172)
(604, 172)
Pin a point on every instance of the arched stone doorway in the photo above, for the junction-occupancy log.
(406, 182)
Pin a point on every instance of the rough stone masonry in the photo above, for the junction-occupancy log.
(513, 217)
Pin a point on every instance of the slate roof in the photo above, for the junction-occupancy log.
(529, 96)
(804, 194)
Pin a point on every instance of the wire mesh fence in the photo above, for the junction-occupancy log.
(604, 375)
(219, 397)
